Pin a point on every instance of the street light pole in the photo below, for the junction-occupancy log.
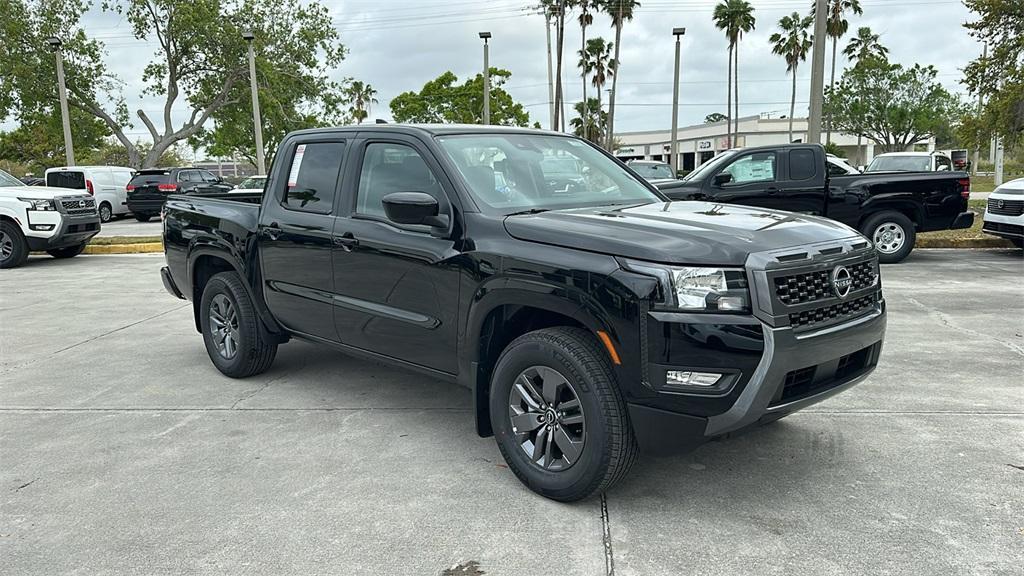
(261, 162)
(69, 148)
(674, 147)
(551, 81)
(817, 72)
(487, 79)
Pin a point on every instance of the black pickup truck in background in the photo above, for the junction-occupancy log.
(589, 316)
(890, 208)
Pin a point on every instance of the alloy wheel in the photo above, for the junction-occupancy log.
(547, 418)
(224, 326)
(889, 238)
(6, 245)
(105, 214)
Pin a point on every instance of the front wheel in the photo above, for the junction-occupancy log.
(231, 328)
(13, 247)
(893, 235)
(69, 252)
(558, 417)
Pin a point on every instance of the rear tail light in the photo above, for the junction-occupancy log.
(965, 188)
(89, 188)
(167, 187)
(129, 188)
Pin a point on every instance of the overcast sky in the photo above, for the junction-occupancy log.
(398, 45)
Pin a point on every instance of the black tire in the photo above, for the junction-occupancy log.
(1018, 242)
(609, 448)
(106, 212)
(13, 247)
(143, 217)
(892, 233)
(69, 252)
(252, 354)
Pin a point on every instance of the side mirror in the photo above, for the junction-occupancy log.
(414, 208)
(722, 179)
(861, 168)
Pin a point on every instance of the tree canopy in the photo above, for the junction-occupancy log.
(890, 105)
(999, 75)
(444, 100)
(38, 143)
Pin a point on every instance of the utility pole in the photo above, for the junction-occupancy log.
(999, 162)
(817, 72)
(487, 79)
(551, 81)
(674, 147)
(62, 93)
(977, 149)
(261, 162)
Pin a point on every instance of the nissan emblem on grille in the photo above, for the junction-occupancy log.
(841, 281)
(1000, 203)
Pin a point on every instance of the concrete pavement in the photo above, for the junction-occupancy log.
(123, 451)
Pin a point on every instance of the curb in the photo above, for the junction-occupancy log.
(124, 248)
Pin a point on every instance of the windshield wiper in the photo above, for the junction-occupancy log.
(530, 211)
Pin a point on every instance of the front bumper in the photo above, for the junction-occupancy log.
(72, 231)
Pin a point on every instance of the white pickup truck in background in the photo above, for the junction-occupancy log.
(58, 221)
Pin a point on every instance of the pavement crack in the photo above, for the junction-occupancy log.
(606, 531)
(250, 393)
(26, 484)
(1015, 466)
(948, 322)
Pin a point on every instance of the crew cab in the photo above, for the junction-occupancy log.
(59, 221)
(590, 321)
(149, 188)
(889, 208)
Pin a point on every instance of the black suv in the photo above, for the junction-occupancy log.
(588, 320)
(149, 188)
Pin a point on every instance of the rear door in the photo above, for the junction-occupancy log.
(295, 231)
(189, 181)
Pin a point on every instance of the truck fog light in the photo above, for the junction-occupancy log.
(677, 378)
(732, 303)
(42, 227)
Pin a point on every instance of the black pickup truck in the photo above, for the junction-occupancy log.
(890, 208)
(590, 317)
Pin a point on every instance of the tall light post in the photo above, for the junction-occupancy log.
(674, 147)
(551, 81)
(487, 79)
(69, 149)
(817, 72)
(261, 161)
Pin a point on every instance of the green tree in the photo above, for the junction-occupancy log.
(735, 17)
(715, 117)
(361, 96)
(836, 27)
(865, 47)
(200, 59)
(590, 121)
(112, 153)
(443, 100)
(999, 76)
(38, 142)
(597, 60)
(793, 43)
(620, 11)
(890, 105)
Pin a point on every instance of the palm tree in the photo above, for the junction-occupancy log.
(621, 11)
(597, 60)
(586, 18)
(735, 17)
(362, 96)
(557, 8)
(793, 43)
(590, 120)
(865, 47)
(836, 27)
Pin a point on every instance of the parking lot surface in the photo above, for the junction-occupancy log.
(131, 227)
(123, 451)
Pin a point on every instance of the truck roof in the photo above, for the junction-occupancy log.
(430, 129)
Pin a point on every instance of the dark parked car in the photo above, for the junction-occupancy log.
(149, 188)
(889, 208)
(588, 323)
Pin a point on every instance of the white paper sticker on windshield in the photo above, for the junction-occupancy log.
(293, 176)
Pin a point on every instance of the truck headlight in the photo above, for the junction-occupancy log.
(698, 288)
(44, 204)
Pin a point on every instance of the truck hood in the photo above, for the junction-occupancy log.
(702, 233)
(41, 192)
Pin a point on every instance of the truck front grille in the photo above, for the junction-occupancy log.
(817, 285)
(77, 206)
(1005, 207)
(835, 313)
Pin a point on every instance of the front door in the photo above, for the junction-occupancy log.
(751, 179)
(396, 286)
(296, 237)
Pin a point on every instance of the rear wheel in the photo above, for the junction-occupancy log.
(69, 252)
(1018, 242)
(106, 213)
(13, 248)
(231, 328)
(143, 217)
(893, 235)
(558, 417)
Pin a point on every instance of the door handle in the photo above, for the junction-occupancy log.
(273, 231)
(772, 190)
(346, 241)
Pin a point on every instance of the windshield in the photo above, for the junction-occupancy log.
(709, 165)
(652, 170)
(7, 180)
(900, 164)
(519, 172)
(253, 182)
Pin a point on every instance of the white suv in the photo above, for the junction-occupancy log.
(105, 183)
(34, 218)
(1004, 215)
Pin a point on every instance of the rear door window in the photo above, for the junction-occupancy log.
(801, 164)
(313, 177)
(66, 179)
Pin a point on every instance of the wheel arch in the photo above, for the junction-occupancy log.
(204, 264)
(911, 210)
